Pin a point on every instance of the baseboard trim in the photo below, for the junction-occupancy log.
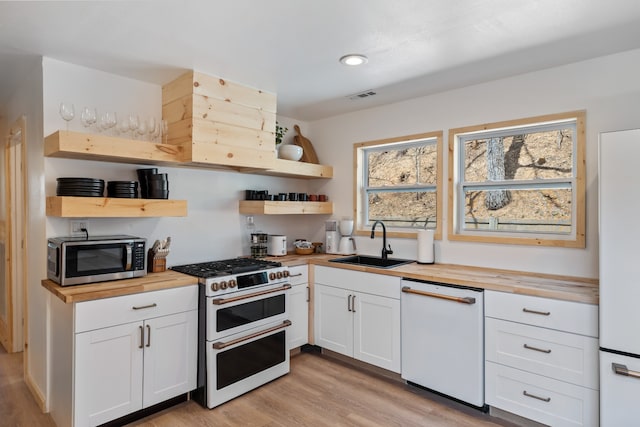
(35, 392)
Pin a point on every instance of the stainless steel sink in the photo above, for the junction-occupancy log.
(371, 261)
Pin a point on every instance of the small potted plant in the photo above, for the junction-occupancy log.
(280, 131)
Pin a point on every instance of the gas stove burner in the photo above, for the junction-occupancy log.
(225, 267)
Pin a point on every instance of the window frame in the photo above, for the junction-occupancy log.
(361, 227)
(456, 205)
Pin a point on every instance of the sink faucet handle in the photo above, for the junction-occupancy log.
(389, 251)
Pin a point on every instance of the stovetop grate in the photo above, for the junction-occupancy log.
(225, 267)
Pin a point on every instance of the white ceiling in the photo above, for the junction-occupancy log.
(291, 47)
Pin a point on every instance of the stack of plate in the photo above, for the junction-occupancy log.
(122, 189)
(80, 187)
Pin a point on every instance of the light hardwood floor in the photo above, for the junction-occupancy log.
(319, 391)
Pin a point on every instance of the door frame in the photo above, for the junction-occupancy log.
(13, 333)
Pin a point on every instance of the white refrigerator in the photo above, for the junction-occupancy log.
(619, 232)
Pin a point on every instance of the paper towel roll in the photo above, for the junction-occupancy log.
(425, 247)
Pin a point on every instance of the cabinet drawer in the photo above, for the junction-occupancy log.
(299, 274)
(539, 398)
(369, 283)
(554, 354)
(106, 312)
(549, 313)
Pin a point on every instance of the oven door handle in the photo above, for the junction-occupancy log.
(222, 301)
(220, 345)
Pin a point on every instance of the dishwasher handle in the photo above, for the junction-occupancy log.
(462, 300)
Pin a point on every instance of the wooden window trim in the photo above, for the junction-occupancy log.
(359, 229)
(580, 206)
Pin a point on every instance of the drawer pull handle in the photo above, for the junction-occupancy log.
(622, 370)
(223, 301)
(295, 275)
(542, 313)
(544, 399)
(141, 307)
(221, 345)
(528, 347)
(462, 300)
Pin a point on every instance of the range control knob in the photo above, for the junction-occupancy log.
(214, 286)
(279, 274)
(223, 285)
(286, 273)
(272, 276)
(232, 283)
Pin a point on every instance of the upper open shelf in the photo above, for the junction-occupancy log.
(85, 146)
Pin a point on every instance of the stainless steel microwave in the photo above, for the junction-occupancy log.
(81, 260)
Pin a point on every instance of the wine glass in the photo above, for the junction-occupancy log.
(134, 122)
(151, 125)
(67, 112)
(165, 130)
(123, 127)
(88, 116)
(142, 129)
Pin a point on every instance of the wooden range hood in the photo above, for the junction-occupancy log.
(217, 122)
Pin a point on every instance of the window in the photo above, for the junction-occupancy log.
(398, 181)
(519, 182)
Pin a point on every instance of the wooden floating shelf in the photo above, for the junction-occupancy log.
(293, 169)
(268, 207)
(85, 146)
(106, 207)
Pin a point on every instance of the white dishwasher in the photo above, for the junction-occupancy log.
(443, 339)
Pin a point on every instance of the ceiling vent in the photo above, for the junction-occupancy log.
(361, 95)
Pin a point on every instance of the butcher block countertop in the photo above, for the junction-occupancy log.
(150, 282)
(566, 288)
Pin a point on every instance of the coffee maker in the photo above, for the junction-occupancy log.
(332, 237)
(347, 242)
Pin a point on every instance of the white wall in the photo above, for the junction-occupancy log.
(213, 228)
(27, 100)
(608, 88)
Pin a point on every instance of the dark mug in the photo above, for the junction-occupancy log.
(282, 197)
(293, 197)
(302, 197)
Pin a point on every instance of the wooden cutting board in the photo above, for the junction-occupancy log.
(308, 153)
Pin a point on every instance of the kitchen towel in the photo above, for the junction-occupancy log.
(425, 247)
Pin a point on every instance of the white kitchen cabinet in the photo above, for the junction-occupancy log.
(358, 314)
(298, 333)
(541, 358)
(115, 356)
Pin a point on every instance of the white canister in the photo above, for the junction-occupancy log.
(425, 247)
(277, 245)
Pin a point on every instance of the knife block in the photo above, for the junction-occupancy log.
(155, 263)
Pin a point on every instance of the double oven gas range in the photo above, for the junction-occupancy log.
(242, 327)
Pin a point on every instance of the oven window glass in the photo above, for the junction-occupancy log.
(98, 259)
(242, 314)
(246, 360)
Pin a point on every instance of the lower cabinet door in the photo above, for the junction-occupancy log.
(377, 331)
(333, 319)
(298, 333)
(108, 373)
(170, 356)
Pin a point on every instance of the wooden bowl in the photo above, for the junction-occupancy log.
(304, 251)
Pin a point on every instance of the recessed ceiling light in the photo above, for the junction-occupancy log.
(353, 59)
